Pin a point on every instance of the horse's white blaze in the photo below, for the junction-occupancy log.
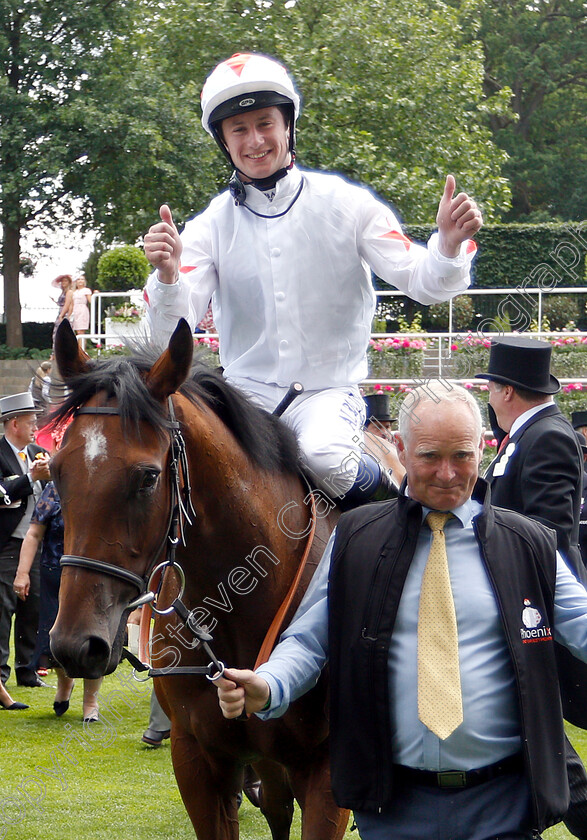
(96, 448)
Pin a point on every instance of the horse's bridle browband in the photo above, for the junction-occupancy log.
(180, 509)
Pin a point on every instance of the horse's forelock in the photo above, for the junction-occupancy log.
(121, 379)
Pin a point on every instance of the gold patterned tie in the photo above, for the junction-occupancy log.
(440, 704)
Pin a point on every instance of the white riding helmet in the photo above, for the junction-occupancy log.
(246, 82)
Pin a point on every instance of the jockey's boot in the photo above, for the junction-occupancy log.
(373, 483)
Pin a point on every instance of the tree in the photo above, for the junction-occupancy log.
(46, 51)
(537, 53)
(391, 98)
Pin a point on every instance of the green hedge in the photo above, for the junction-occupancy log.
(544, 256)
(35, 336)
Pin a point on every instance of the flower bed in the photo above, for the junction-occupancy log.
(207, 350)
(470, 355)
(127, 314)
(396, 358)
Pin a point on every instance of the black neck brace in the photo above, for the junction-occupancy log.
(268, 183)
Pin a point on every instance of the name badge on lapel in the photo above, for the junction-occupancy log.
(501, 465)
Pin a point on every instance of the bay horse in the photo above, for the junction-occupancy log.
(241, 552)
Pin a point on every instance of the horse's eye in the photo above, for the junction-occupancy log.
(149, 480)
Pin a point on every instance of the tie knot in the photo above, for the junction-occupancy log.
(22, 456)
(436, 520)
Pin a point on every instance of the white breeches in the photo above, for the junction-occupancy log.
(329, 427)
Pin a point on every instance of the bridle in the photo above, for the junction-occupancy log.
(181, 511)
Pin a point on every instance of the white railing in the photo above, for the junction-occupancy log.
(527, 305)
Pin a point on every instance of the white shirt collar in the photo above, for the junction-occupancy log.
(464, 513)
(284, 191)
(523, 418)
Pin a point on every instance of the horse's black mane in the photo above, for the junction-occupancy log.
(267, 441)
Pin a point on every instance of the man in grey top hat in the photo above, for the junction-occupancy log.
(538, 471)
(24, 467)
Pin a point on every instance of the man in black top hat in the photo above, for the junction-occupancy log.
(379, 419)
(538, 471)
(378, 437)
(579, 422)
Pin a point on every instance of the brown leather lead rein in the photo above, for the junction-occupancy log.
(276, 624)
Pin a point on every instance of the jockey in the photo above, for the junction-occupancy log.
(286, 256)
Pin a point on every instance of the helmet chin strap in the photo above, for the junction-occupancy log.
(269, 182)
(237, 186)
(239, 194)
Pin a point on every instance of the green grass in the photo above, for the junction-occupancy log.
(117, 788)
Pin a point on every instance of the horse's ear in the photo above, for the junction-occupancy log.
(71, 359)
(173, 366)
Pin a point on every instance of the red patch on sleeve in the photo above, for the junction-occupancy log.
(185, 269)
(471, 246)
(396, 234)
(146, 297)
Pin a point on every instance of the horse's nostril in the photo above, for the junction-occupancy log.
(95, 651)
(90, 659)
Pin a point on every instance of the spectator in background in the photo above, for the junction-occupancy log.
(65, 299)
(538, 471)
(80, 316)
(6, 701)
(379, 437)
(39, 387)
(24, 467)
(579, 422)
(46, 532)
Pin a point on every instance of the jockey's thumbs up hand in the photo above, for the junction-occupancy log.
(163, 246)
(241, 690)
(458, 219)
